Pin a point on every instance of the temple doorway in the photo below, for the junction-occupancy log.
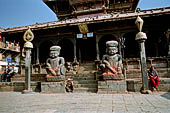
(102, 44)
(86, 49)
(44, 51)
(67, 50)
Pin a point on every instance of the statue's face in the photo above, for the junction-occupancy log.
(54, 54)
(112, 50)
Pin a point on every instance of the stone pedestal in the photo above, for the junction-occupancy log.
(134, 85)
(53, 87)
(112, 86)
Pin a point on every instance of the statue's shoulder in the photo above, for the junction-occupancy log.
(118, 55)
(48, 59)
(61, 58)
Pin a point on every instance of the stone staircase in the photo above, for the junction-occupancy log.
(85, 80)
(134, 76)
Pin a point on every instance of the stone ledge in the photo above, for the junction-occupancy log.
(53, 87)
(18, 86)
(135, 85)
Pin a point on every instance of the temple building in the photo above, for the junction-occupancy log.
(84, 27)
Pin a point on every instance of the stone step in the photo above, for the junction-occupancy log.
(34, 77)
(136, 84)
(85, 85)
(82, 77)
(86, 70)
(80, 90)
(159, 70)
(91, 78)
(161, 75)
(87, 64)
(85, 82)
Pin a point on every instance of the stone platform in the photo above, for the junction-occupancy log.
(111, 86)
(14, 102)
(134, 85)
(53, 87)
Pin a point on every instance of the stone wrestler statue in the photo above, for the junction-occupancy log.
(55, 64)
(112, 62)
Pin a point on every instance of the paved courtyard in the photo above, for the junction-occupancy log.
(15, 102)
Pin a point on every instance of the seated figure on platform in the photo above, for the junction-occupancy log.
(112, 62)
(55, 64)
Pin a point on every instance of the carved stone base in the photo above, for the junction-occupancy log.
(54, 78)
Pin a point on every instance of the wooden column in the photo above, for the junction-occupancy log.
(75, 51)
(37, 58)
(167, 33)
(119, 37)
(97, 48)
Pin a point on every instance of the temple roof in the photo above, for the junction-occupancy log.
(72, 2)
(67, 9)
(92, 19)
(1, 30)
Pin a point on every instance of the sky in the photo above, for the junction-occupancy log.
(15, 13)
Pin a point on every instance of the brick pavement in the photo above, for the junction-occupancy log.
(15, 102)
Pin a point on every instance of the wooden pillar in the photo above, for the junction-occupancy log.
(37, 58)
(167, 33)
(120, 39)
(80, 60)
(97, 48)
(75, 52)
(143, 65)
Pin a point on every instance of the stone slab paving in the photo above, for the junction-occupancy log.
(15, 102)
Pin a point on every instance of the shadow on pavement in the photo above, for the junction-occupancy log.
(166, 95)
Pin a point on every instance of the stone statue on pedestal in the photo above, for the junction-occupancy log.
(111, 63)
(55, 65)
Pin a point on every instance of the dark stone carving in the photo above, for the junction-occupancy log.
(55, 65)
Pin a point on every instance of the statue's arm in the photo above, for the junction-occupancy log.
(107, 64)
(62, 61)
(105, 61)
(62, 67)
